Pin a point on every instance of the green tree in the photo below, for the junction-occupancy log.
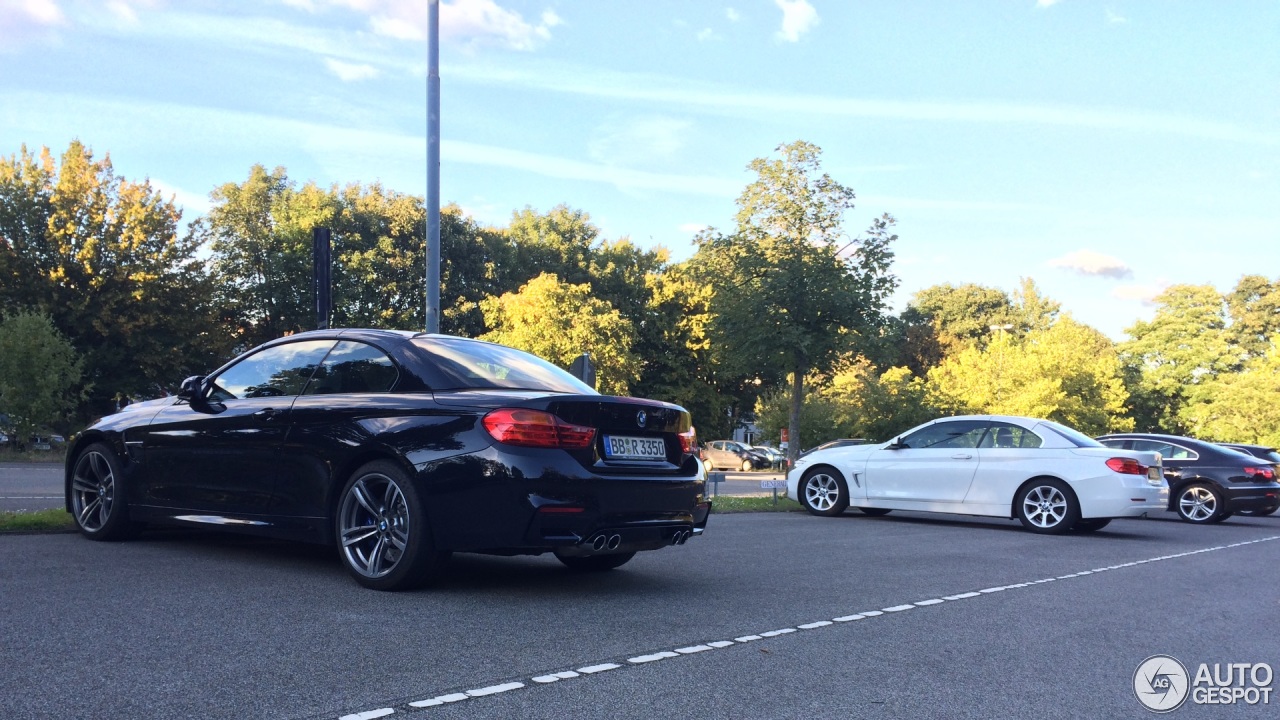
(1254, 305)
(791, 290)
(102, 257)
(558, 321)
(1069, 373)
(1239, 407)
(40, 374)
(1185, 344)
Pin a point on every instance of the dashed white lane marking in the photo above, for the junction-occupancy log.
(720, 644)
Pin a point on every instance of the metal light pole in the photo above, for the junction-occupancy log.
(433, 166)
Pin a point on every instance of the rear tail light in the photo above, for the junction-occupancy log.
(689, 442)
(535, 428)
(1127, 466)
(1261, 473)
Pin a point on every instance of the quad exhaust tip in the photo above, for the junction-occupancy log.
(598, 543)
(680, 537)
(614, 541)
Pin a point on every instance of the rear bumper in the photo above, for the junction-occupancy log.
(1251, 497)
(1127, 502)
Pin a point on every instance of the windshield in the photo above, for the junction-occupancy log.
(1075, 437)
(468, 364)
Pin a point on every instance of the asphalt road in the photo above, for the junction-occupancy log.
(209, 626)
(30, 486)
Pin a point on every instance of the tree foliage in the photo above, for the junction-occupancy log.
(791, 291)
(559, 321)
(1239, 407)
(40, 374)
(102, 257)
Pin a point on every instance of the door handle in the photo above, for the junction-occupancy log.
(961, 456)
(266, 414)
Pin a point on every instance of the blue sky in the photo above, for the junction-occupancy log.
(1105, 149)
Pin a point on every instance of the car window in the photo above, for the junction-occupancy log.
(1006, 436)
(1116, 443)
(958, 434)
(1075, 437)
(467, 364)
(280, 370)
(353, 367)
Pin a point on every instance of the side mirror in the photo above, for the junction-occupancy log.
(896, 445)
(192, 389)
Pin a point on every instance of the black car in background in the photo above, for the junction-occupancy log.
(1264, 452)
(397, 448)
(1208, 483)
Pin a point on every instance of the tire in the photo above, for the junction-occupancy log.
(1200, 504)
(746, 466)
(384, 540)
(1222, 517)
(1047, 506)
(1092, 525)
(823, 492)
(98, 503)
(595, 563)
(874, 512)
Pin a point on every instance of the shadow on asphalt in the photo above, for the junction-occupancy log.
(1111, 531)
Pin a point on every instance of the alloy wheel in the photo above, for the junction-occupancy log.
(93, 491)
(373, 525)
(822, 492)
(1198, 504)
(1045, 506)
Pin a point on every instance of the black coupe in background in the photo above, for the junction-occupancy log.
(398, 448)
(1207, 483)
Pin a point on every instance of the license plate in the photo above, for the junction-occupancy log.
(1153, 473)
(617, 447)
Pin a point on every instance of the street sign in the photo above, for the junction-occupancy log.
(768, 484)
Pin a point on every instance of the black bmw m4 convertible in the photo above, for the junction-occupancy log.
(398, 448)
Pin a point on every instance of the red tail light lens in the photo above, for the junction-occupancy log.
(535, 428)
(1127, 466)
(689, 442)
(1265, 473)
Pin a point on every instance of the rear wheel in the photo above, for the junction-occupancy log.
(746, 466)
(1200, 503)
(823, 492)
(1092, 525)
(97, 498)
(595, 563)
(1047, 506)
(383, 537)
(1260, 513)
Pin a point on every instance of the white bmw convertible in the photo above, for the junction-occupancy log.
(1052, 478)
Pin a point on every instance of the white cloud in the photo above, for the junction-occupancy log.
(707, 34)
(1115, 18)
(192, 204)
(1046, 3)
(638, 141)
(486, 21)
(1088, 262)
(798, 18)
(18, 20)
(350, 72)
(651, 89)
(732, 15)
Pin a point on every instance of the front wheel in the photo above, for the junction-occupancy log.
(383, 537)
(1047, 506)
(1200, 503)
(823, 492)
(97, 499)
(595, 563)
(746, 466)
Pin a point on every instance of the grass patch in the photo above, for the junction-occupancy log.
(734, 504)
(37, 521)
